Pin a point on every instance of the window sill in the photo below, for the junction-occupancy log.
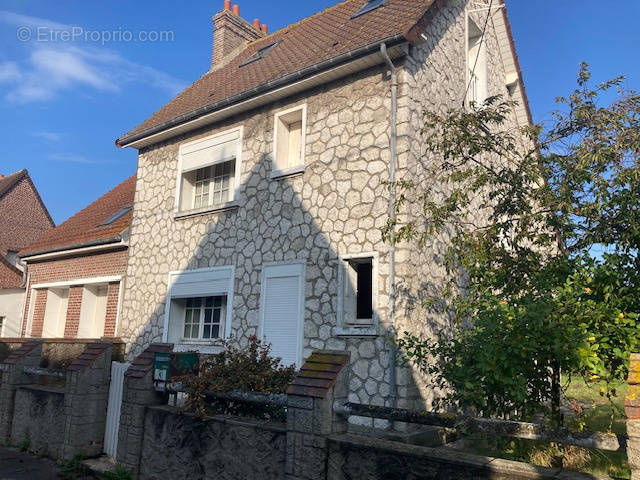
(365, 331)
(206, 211)
(287, 172)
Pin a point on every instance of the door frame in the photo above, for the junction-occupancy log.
(285, 269)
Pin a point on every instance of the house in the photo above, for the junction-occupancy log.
(23, 218)
(262, 188)
(76, 271)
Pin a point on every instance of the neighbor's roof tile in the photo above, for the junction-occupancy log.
(85, 227)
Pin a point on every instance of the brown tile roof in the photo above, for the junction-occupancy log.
(8, 182)
(10, 276)
(85, 227)
(321, 37)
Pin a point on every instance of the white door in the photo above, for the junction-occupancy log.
(114, 406)
(282, 311)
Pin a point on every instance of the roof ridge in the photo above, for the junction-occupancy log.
(296, 24)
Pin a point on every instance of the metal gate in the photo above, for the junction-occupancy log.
(113, 409)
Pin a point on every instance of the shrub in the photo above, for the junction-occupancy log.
(251, 369)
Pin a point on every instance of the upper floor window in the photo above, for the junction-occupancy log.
(209, 172)
(476, 65)
(289, 141)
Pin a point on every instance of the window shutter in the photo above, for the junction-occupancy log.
(281, 316)
(350, 304)
(200, 284)
(209, 152)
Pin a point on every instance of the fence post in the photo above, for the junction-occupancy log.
(85, 401)
(322, 381)
(632, 410)
(138, 394)
(29, 354)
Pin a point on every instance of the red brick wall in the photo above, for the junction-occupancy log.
(113, 295)
(82, 267)
(73, 312)
(38, 312)
(23, 219)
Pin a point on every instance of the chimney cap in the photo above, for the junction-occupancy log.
(236, 10)
(227, 4)
(256, 23)
(264, 28)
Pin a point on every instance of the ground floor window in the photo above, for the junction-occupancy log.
(199, 307)
(204, 317)
(358, 288)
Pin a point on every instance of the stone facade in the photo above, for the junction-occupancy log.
(336, 207)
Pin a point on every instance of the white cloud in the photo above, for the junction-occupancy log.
(9, 72)
(19, 20)
(52, 137)
(55, 67)
(67, 157)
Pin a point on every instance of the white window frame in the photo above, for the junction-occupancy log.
(283, 172)
(2, 322)
(178, 212)
(208, 345)
(362, 330)
(285, 269)
(201, 323)
(482, 62)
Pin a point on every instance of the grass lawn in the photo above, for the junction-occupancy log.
(598, 415)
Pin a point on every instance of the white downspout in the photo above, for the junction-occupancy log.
(393, 143)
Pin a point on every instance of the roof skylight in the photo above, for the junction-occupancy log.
(260, 54)
(119, 214)
(368, 7)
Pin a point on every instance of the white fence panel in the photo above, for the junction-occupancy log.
(113, 409)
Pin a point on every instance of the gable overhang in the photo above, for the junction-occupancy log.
(305, 79)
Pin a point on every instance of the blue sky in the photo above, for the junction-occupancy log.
(64, 101)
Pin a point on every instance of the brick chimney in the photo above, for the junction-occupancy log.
(230, 33)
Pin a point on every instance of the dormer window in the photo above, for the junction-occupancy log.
(119, 214)
(476, 65)
(260, 54)
(369, 6)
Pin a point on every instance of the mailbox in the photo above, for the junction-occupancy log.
(168, 366)
(184, 363)
(161, 366)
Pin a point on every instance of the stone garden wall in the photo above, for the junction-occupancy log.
(61, 421)
(184, 446)
(38, 423)
(313, 445)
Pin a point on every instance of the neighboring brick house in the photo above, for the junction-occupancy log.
(76, 271)
(262, 188)
(23, 218)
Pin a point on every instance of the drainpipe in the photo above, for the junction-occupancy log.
(393, 121)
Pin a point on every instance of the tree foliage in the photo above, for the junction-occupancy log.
(545, 224)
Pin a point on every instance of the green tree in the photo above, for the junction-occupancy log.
(545, 224)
